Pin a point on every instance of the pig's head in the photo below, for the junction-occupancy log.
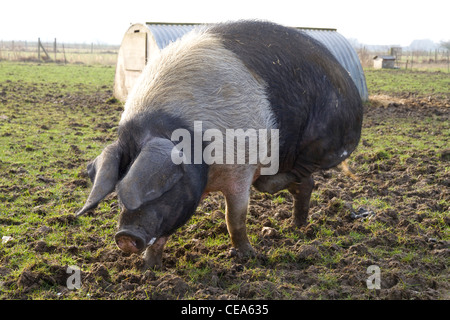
(156, 195)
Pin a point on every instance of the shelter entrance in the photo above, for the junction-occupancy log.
(135, 51)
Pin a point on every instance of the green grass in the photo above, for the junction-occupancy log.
(55, 119)
(399, 82)
(66, 78)
(43, 157)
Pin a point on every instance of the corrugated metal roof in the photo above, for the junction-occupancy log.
(166, 33)
(337, 44)
(345, 54)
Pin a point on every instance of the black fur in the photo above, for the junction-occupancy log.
(133, 134)
(316, 104)
(185, 196)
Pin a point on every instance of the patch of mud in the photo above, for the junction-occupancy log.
(406, 237)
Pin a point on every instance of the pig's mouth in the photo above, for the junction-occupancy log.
(132, 241)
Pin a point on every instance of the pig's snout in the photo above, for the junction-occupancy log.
(129, 241)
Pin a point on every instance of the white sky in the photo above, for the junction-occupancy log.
(105, 21)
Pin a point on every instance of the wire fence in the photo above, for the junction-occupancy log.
(92, 53)
(54, 51)
(426, 60)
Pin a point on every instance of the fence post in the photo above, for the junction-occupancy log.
(43, 49)
(448, 60)
(54, 48)
(64, 52)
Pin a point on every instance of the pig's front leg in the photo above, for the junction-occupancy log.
(153, 254)
(236, 214)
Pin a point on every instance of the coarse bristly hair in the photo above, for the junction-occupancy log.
(196, 78)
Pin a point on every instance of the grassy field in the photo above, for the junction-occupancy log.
(54, 119)
(406, 83)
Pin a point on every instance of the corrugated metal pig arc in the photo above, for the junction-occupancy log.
(164, 34)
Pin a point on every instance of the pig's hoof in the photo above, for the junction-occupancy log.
(299, 222)
(152, 261)
(153, 265)
(246, 251)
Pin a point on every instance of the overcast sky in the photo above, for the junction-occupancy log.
(105, 21)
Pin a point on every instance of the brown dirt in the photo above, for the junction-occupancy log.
(327, 259)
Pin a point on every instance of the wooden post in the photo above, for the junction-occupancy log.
(448, 60)
(54, 48)
(64, 52)
(43, 49)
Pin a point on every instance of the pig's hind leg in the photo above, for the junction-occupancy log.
(300, 189)
(301, 192)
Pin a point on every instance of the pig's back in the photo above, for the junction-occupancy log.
(315, 102)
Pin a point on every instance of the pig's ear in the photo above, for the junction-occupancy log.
(152, 174)
(104, 173)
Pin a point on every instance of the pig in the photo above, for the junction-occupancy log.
(248, 75)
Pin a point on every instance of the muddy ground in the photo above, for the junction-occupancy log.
(407, 236)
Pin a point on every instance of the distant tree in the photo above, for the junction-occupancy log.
(354, 43)
(445, 44)
(423, 45)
